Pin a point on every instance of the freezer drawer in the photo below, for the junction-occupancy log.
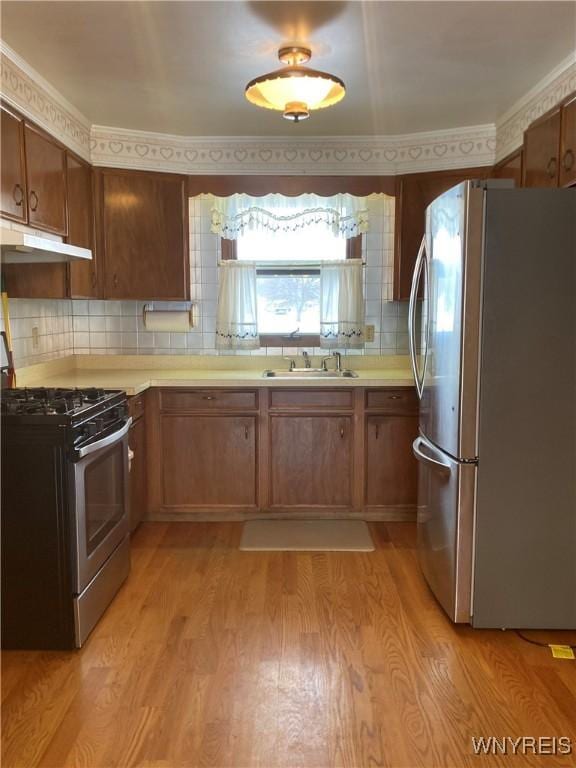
(446, 491)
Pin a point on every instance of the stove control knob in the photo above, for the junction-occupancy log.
(91, 428)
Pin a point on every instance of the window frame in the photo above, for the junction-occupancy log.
(229, 250)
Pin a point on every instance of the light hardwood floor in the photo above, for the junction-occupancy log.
(214, 657)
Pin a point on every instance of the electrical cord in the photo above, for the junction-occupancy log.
(542, 645)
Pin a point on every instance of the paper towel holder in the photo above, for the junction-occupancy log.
(149, 309)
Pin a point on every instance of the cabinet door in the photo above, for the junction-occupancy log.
(145, 236)
(510, 168)
(83, 275)
(568, 145)
(13, 188)
(414, 194)
(46, 177)
(138, 474)
(541, 150)
(391, 469)
(208, 461)
(311, 461)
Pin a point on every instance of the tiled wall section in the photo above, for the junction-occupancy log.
(41, 330)
(103, 327)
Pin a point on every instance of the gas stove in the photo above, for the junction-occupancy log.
(49, 401)
(86, 414)
(65, 505)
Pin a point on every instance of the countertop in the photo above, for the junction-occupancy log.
(135, 374)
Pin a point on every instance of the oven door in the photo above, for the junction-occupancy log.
(101, 502)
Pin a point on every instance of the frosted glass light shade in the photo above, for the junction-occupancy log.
(295, 85)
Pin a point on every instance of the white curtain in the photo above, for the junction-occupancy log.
(341, 304)
(237, 313)
(344, 215)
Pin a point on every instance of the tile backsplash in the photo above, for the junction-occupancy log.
(41, 330)
(45, 329)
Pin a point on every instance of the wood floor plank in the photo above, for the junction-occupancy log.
(214, 657)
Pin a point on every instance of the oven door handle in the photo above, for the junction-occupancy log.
(106, 441)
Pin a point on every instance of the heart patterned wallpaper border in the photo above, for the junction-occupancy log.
(324, 156)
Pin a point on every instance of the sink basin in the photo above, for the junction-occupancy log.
(310, 373)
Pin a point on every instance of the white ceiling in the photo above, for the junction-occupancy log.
(181, 67)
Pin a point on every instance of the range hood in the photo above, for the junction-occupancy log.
(25, 248)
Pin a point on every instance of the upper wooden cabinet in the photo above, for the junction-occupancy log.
(541, 151)
(510, 168)
(83, 276)
(46, 181)
(144, 231)
(568, 144)
(13, 187)
(414, 193)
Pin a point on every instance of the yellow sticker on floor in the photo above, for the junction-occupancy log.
(562, 652)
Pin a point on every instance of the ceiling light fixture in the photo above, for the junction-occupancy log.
(295, 90)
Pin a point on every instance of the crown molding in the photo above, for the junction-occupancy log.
(551, 90)
(32, 95)
(346, 155)
(471, 146)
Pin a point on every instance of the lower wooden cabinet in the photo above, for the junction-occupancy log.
(391, 470)
(232, 453)
(208, 461)
(138, 473)
(311, 461)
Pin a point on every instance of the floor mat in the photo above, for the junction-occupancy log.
(306, 536)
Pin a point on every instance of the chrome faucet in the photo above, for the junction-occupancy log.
(338, 361)
(292, 363)
(306, 356)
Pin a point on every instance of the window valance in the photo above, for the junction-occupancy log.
(344, 215)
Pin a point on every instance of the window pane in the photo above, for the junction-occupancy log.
(288, 302)
(304, 245)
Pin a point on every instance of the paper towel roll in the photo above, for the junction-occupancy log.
(168, 320)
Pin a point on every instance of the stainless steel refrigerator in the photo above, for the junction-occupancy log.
(493, 348)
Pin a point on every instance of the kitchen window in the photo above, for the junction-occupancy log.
(287, 240)
(288, 280)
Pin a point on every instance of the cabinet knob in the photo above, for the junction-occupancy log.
(341, 431)
(94, 280)
(115, 281)
(33, 201)
(394, 397)
(552, 167)
(568, 160)
(208, 397)
(246, 432)
(18, 194)
(377, 430)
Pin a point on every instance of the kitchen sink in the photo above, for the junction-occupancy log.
(310, 373)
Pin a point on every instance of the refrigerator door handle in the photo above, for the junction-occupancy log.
(412, 315)
(438, 464)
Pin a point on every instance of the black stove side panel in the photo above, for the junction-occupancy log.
(37, 607)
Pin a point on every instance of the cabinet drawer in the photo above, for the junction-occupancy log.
(209, 399)
(403, 401)
(322, 399)
(136, 406)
